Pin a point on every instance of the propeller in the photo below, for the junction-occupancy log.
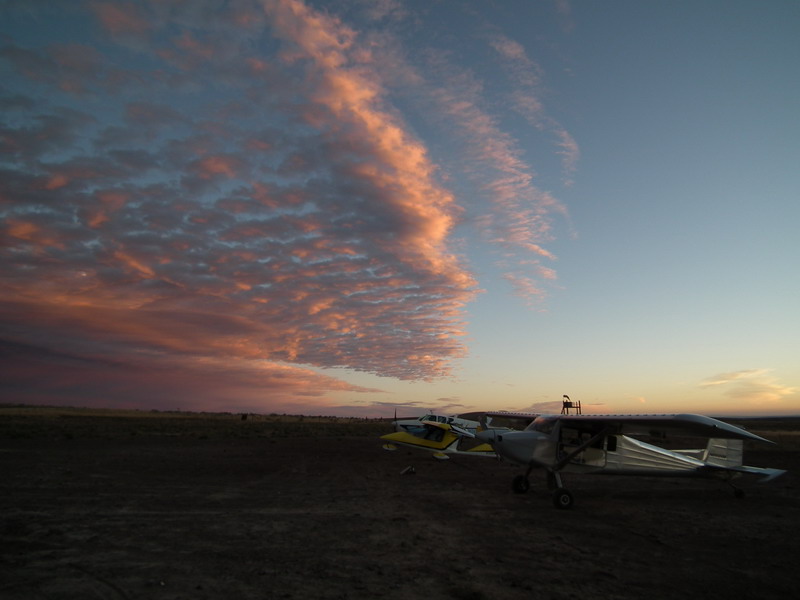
(461, 431)
(388, 446)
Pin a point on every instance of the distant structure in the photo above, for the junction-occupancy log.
(567, 405)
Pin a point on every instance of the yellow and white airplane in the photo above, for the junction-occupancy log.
(431, 417)
(444, 435)
(440, 438)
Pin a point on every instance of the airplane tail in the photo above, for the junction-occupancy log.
(724, 452)
(728, 453)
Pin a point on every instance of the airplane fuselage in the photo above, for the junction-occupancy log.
(557, 446)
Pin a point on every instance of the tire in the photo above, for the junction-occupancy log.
(520, 484)
(562, 499)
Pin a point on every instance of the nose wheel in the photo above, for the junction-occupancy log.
(562, 499)
(520, 484)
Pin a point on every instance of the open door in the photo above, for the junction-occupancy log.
(593, 456)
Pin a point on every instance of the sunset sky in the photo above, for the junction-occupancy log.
(361, 206)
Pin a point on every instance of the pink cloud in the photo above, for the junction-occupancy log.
(564, 10)
(521, 222)
(237, 190)
(525, 288)
(526, 72)
(121, 17)
(527, 76)
(150, 114)
(401, 171)
(39, 238)
(212, 166)
(286, 218)
(167, 382)
(570, 152)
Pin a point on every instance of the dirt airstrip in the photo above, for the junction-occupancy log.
(115, 512)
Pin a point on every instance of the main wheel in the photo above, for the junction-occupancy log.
(520, 485)
(562, 499)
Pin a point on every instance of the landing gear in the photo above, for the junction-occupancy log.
(521, 484)
(562, 499)
(737, 492)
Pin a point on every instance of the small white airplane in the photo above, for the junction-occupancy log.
(573, 443)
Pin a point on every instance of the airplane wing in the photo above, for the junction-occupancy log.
(683, 424)
(509, 420)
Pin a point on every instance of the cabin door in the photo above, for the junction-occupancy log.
(593, 456)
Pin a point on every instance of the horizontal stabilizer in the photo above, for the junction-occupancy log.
(768, 474)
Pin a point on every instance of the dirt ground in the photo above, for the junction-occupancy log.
(333, 517)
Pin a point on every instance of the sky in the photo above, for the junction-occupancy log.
(370, 207)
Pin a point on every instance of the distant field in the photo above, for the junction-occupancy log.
(68, 423)
(784, 431)
(75, 423)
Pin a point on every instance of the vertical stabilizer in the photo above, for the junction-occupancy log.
(724, 452)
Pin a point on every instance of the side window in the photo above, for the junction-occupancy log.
(611, 444)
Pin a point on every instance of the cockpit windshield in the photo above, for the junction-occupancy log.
(436, 419)
(542, 424)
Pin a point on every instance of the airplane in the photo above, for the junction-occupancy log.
(573, 443)
(409, 424)
(440, 438)
(447, 435)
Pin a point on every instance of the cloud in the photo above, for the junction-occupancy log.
(547, 408)
(449, 405)
(122, 17)
(755, 387)
(308, 227)
(480, 155)
(526, 99)
(569, 151)
(240, 188)
(160, 380)
(520, 219)
(403, 408)
(564, 11)
(524, 287)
